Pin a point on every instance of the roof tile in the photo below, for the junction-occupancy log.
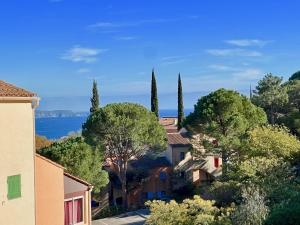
(9, 90)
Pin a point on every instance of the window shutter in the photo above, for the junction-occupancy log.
(14, 187)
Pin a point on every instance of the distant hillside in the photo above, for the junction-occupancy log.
(59, 113)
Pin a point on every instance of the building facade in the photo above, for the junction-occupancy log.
(17, 148)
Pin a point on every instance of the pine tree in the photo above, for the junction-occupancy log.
(94, 98)
(154, 99)
(180, 104)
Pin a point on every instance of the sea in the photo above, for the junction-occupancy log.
(57, 127)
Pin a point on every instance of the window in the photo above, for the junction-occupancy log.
(162, 176)
(182, 174)
(73, 211)
(182, 155)
(150, 195)
(216, 162)
(13, 187)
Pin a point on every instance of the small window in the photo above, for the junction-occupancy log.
(13, 187)
(216, 162)
(182, 174)
(150, 195)
(162, 176)
(182, 155)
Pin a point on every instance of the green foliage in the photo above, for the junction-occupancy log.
(125, 130)
(79, 159)
(180, 104)
(295, 76)
(287, 213)
(274, 141)
(154, 98)
(290, 115)
(95, 98)
(224, 193)
(271, 95)
(252, 210)
(191, 211)
(225, 115)
(272, 175)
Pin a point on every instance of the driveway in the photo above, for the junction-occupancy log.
(130, 218)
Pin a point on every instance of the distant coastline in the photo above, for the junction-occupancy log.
(59, 114)
(70, 113)
(59, 123)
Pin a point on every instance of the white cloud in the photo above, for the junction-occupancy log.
(234, 52)
(83, 70)
(247, 42)
(80, 54)
(169, 60)
(220, 67)
(248, 74)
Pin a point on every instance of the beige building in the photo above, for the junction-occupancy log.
(34, 190)
(17, 149)
(188, 168)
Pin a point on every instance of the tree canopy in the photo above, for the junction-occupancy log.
(226, 116)
(79, 159)
(271, 95)
(154, 97)
(180, 103)
(275, 141)
(295, 76)
(124, 130)
(95, 102)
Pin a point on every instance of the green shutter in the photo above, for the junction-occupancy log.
(14, 186)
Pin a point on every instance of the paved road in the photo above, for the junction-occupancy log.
(130, 218)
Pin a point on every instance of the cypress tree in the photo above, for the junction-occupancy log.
(94, 98)
(154, 99)
(180, 104)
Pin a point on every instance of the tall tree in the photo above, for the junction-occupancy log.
(226, 116)
(125, 130)
(271, 95)
(180, 104)
(154, 98)
(95, 98)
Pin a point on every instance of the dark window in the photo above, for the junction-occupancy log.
(162, 176)
(14, 187)
(216, 161)
(182, 155)
(182, 174)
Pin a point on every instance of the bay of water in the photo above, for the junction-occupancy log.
(57, 127)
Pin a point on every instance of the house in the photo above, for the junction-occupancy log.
(34, 190)
(187, 167)
(178, 142)
(148, 177)
(17, 141)
(64, 195)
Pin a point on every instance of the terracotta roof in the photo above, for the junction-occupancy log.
(9, 90)
(167, 121)
(78, 179)
(178, 139)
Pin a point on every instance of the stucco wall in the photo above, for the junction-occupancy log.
(49, 193)
(17, 157)
(176, 154)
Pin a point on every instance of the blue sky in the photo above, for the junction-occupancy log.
(57, 47)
